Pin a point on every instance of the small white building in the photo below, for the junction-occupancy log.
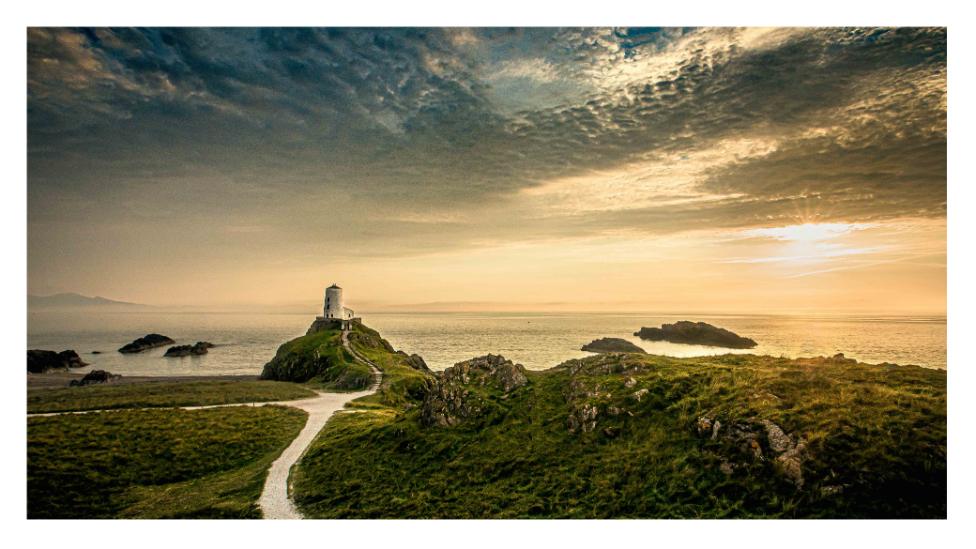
(333, 307)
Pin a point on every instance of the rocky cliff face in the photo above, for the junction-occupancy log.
(468, 390)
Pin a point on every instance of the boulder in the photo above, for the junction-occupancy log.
(198, 348)
(94, 377)
(40, 361)
(612, 345)
(696, 333)
(149, 341)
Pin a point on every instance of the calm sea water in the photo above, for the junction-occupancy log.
(246, 341)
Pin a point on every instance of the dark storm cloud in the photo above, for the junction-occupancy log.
(269, 123)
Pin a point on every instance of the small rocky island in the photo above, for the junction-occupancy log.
(198, 348)
(612, 345)
(40, 361)
(696, 333)
(150, 341)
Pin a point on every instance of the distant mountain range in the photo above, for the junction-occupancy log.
(75, 301)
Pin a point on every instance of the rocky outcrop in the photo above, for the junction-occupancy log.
(149, 341)
(696, 333)
(468, 390)
(761, 440)
(415, 361)
(94, 377)
(40, 361)
(198, 348)
(837, 360)
(612, 345)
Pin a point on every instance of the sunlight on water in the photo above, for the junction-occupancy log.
(537, 340)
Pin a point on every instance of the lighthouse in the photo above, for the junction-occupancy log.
(333, 303)
(333, 307)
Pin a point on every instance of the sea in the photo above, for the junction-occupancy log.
(246, 341)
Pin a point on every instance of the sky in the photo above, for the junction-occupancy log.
(791, 170)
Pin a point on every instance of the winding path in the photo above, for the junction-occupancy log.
(274, 501)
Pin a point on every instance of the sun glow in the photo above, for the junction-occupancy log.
(809, 232)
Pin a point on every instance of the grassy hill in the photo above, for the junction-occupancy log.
(320, 360)
(616, 436)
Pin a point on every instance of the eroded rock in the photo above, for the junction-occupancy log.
(763, 440)
(466, 390)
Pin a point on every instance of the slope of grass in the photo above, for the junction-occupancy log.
(402, 384)
(874, 436)
(155, 463)
(161, 394)
(320, 360)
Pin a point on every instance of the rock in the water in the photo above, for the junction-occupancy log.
(198, 348)
(40, 361)
(612, 345)
(696, 333)
(93, 377)
(149, 341)
(465, 391)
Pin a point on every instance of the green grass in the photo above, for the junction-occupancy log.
(402, 385)
(875, 435)
(319, 360)
(161, 394)
(155, 463)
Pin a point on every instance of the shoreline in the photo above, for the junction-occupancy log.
(57, 380)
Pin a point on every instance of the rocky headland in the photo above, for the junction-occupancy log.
(696, 333)
(611, 345)
(720, 436)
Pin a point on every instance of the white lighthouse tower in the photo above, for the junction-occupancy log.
(333, 308)
(333, 303)
(334, 313)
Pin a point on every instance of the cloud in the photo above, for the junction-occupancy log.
(497, 134)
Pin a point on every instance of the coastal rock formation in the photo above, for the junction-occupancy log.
(611, 345)
(415, 361)
(198, 348)
(470, 389)
(696, 333)
(743, 442)
(40, 361)
(149, 341)
(94, 377)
